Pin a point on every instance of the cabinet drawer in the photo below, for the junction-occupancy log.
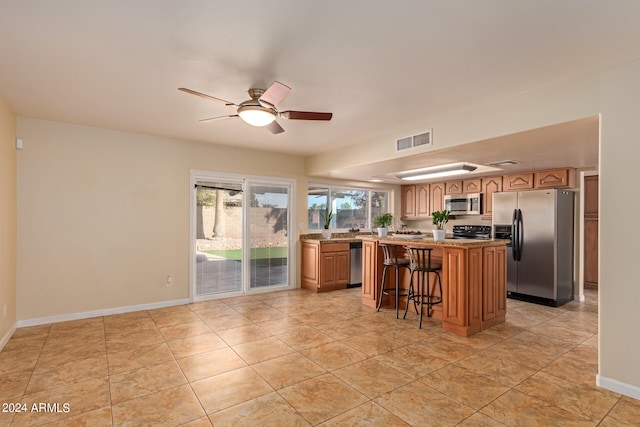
(334, 247)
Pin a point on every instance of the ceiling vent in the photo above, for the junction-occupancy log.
(420, 140)
(502, 163)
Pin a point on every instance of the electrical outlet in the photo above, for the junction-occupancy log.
(169, 281)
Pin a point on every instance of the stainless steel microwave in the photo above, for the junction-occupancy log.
(463, 204)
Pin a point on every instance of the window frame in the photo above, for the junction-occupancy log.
(334, 188)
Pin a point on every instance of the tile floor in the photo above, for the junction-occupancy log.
(296, 358)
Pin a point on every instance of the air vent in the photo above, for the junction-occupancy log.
(414, 141)
(502, 163)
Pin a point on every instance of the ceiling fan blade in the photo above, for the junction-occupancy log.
(213, 119)
(274, 127)
(205, 96)
(305, 115)
(275, 94)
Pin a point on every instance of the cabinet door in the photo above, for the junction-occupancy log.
(436, 197)
(591, 230)
(554, 178)
(470, 186)
(408, 200)
(343, 268)
(501, 281)
(456, 296)
(518, 181)
(310, 265)
(328, 269)
(453, 187)
(423, 205)
(370, 273)
(490, 185)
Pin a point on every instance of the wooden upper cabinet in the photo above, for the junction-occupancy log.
(490, 185)
(453, 187)
(472, 186)
(408, 201)
(416, 201)
(554, 178)
(423, 204)
(517, 181)
(436, 199)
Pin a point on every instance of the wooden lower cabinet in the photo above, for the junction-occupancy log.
(494, 270)
(371, 272)
(462, 308)
(473, 285)
(325, 267)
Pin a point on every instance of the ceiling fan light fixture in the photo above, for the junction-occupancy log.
(256, 115)
(437, 172)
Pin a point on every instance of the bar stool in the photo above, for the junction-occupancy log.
(420, 262)
(391, 260)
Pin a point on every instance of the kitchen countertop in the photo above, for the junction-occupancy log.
(428, 241)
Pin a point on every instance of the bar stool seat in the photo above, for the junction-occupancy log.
(420, 262)
(392, 260)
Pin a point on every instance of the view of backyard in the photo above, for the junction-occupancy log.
(219, 241)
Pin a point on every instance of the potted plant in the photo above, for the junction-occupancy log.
(382, 222)
(327, 217)
(440, 218)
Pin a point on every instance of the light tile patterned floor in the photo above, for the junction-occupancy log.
(296, 358)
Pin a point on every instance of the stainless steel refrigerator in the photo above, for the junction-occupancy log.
(539, 225)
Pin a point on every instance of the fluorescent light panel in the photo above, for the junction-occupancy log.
(437, 172)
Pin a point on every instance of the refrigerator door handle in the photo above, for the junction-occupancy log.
(520, 235)
(514, 235)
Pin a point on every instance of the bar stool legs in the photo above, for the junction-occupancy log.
(425, 299)
(420, 262)
(391, 260)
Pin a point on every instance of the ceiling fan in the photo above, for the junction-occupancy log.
(261, 110)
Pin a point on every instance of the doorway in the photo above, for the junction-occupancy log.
(240, 236)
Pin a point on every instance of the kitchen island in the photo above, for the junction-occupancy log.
(474, 294)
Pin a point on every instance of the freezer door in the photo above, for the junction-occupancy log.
(536, 269)
(504, 206)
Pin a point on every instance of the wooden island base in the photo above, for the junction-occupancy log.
(473, 276)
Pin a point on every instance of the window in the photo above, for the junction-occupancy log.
(351, 207)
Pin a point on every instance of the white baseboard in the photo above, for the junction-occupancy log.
(98, 313)
(618, 387)
(5, 339)
(579, 297)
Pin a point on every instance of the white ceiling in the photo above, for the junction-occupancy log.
(381, 67)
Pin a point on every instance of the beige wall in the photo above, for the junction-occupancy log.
(8, 220)
(104, 215)
(615, 94)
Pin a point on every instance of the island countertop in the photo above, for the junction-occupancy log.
(428, 241)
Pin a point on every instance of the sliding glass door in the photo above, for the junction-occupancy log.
(240, 235)
(218, 237)
(269, 234)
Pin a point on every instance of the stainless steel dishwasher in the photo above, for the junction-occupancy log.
(355, 253)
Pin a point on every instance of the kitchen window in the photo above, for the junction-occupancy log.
(351, 207)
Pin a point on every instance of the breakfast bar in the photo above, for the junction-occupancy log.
(473, 279)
